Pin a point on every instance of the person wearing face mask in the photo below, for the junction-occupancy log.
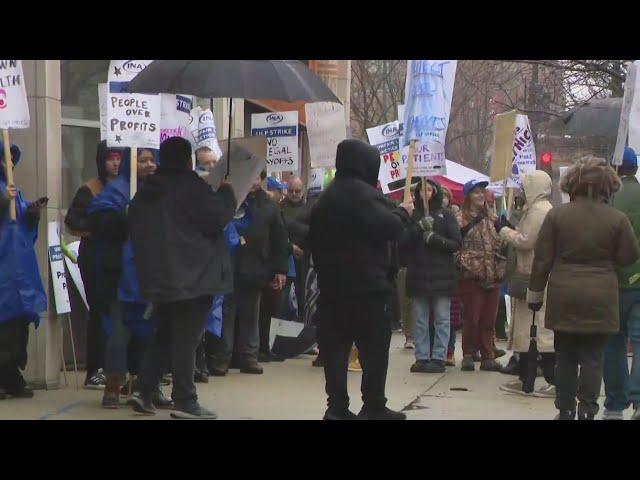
(482, 272)
(77, 222)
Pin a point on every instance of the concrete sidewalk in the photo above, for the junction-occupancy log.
(294, 390)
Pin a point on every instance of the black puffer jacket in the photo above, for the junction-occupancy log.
(351, 226)
(266, 248)
(431, 269)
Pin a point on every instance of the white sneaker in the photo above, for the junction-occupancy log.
(612, 415)
(636, 414)
(548, 391)
(514, 387)
(409, 345)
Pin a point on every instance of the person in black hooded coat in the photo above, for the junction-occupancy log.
(352, 225)
(427, 249)
(77, 221)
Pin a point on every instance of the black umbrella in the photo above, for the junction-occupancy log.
(597, 117)
(532, 359)
(286, 80)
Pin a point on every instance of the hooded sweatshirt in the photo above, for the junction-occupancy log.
(351, 226)
(21, 290)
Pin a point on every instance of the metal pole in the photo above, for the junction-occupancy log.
(229, 139)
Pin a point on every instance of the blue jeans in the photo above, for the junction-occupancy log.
(442, 321)
(622, 389)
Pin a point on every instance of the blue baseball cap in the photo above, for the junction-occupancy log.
(471, 184)
(629, 159)
(274, 184)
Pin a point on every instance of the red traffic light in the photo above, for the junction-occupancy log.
(546, 158)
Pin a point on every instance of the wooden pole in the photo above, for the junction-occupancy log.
(133, 180)
(64, 366)
(407, 184)
(73, 351)
(425, 202)
(510, 196)
(8, 170)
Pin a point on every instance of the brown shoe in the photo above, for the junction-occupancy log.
(111, 397)
(451, 361)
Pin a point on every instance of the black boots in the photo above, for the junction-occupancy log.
(380, 414)
(339, 414)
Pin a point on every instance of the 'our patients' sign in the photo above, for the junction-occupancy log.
(14, 109)
(133, 119)
(281, 130)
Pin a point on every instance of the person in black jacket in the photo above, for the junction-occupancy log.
(77, 221)
(176, 225)
(352, 225)
(427, 249)
(259, 261)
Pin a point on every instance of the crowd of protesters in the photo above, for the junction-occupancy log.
(183, 280)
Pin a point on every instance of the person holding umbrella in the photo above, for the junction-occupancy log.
(536, 188)
(579, 245)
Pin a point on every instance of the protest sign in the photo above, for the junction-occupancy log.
(103, 95)
(503, 141)
(428, 93)
(248, 160)
(326, 128)
(133, 119)
(56, 260)
(634, 114)
(74, 271)
(175, 116)
(565, 196)
(316, 181)
(524, 152)
(281, 130)
(386, 139)
(202, 126)
(625, 111)
(14, 108)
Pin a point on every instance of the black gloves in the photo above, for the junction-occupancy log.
(502, 222)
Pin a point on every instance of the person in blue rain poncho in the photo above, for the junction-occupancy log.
(22, 296)
(121, 308)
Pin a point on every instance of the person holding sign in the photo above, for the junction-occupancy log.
(176, 224)
(22, 296)
(351, 227)
(77, 221)
(427, 249)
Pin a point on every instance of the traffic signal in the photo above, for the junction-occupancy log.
(546, 162)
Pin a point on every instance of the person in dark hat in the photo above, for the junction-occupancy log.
(77, 221)
(621, 388)
(176, 224)
(351, 228)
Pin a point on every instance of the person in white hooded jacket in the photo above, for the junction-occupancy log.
(536, 187)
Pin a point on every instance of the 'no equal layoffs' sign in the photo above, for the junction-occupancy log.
(281, 130)
(133, 119)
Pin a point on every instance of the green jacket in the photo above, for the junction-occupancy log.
(628, 202)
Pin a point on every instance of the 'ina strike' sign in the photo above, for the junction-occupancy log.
(281, 130)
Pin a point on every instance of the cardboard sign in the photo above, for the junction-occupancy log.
(503, 139)
(103, 95)
(326, 128)
(428, 93)
(524, 152)
(247, 161)
(56, 261)
(74, 271)
(175, 116)
(14, 108)
(133, 119)
(281, 130)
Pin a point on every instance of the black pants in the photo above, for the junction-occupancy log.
(245, 302)
(547, 362)
(179, 330)
(14, 336)
(585, 352)
(96, 339)
(270, 306)
(365, 321)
